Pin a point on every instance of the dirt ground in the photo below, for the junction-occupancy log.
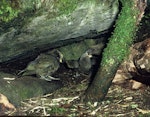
(120, 101)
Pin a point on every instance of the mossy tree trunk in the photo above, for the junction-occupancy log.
(117, 48)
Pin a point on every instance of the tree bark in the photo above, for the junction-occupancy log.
(136, 67)
(117, 49)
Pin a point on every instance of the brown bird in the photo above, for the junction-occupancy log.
(44, 65)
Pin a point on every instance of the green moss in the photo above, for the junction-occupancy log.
(8, 10)
(123, 36)
(60, 7)
(66, 6)
(56, 110)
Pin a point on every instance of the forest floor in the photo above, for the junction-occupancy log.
(121, 100)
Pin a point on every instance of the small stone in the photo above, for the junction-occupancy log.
(136, 85)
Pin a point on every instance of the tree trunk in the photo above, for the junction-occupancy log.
(117, 49)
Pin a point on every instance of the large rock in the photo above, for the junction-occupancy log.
(45, 30)
(19, 89)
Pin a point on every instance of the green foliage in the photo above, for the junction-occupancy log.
(8, 10)
(123, 36)
(56, 110)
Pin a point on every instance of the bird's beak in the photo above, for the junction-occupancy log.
(90, 56)
(61, 57)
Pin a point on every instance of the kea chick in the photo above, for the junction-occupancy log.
(85, 62)
(89, 58)
(44, 65)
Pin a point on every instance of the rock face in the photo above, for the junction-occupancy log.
(42, 31)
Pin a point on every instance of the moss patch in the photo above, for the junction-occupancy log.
(8, 10)
(123, 36)
(66, 6)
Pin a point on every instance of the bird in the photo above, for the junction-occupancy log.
(89, 58)
(44, 65)
(85, 62)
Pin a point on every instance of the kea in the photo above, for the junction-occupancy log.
(44, 65)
